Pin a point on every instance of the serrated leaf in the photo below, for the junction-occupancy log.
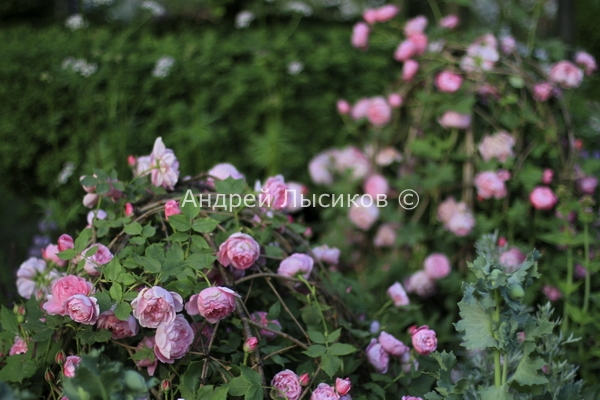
(190, 380)
(341, 349)
(333, 336)
(316, 337)
(209, 392)
(204, 225)
(150, 265)
(238, 386)
(331, 364)
(67, 254)
(310, 315)
(134, 228)
(122, 311)
(230, 186)
(17, 368)
(190, 210)
(9, 321)
(112, 270)
(476, 324)
(116, 291)
(377, 390)
(251, 376)
(148, 231)
(82, 240)
(180, 222)
(495, 393)
(315, 350)
(529, 372)
(103, 300)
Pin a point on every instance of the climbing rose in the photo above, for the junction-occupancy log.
(213, 303)
(424, 340)
(239, 250)
(287, 385)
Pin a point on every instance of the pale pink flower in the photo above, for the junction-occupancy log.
(547, 176)
(370, 16)
(342, 386)
(261, 318)
(82, 309)
(542, 91)
(343, 107)
(376, 185)
(171, 208)
(164, 166)
(447, 209)
(508, 44)
(119, 329)
(324, 392)
(379, 112)
(213, 303)
(295, 193)
(95, 214)
(273, 193)
(424, 340)
(360, 36)
(147, 342)
(65, 242)
(420, 283)
(411, 398)
(172, 340)
(239, 250)
(28, 275)
(543, 198)
(491, 184)
(498, 145)
(395, 100)
(360, 108)
(392, 345)
(155, 305)
(415, 25)
(287, 385)
(587, 184)
(62, 289)
(398, 295)
(223, 171)
(405, 50)
(387, 156)
(448, 82)
(386, 12)
(453, 119)
(420, 41)
(363, 213)
(296, 264)
(511, 259)
(70, 365)
(18, 347)
(377, 356)
(566, 74)
(49, 254)
(481, 55)
(142, 166)
(385, 236)
(462, 222)
(351, 159)
(102, 257)
(449, 21)
(319, 168)
(128, 209)
(326, 254)
(409, 70)
(436, 266)
(552, 292)
(587, 61)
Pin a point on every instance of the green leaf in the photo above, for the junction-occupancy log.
(190, 380)
(189, 209)
(116, 291)
(122, 311)
(230, 186)
(274, 251)
(274, 311)
(204, 225)
(148, 231)
(82, 240)
(180, 222)
(104, 301)
(112, 270)
(331, 364)
(133, 228)
(238, 386)
(251, 376)
(341, 349)
(528, 371)
(199, 242)
(495, 393)
(139, 240)
(17, 368)
(89, 181)
(316, 350)
(207, 393)
(311, 315)
(475, 324)
(201, 261)
(333, 336)
(67, 254)
(9, 321)
(150, 265)
(316, 337)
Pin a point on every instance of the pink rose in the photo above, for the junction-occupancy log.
(398, 295)
(326, 254)
(409, 70)
(376, 185)
(65, 242)
(377, 356)
(142, 166)
(420, 283)
(419, 41)
(411, 398)
(250, 345)
(448, 82)
(436, 266)
(223, 171)
(543, 198)
(261, 318)
(587, 61)
(379, 112)
(102, 257)
(213, 303)
(449, 21)
(363, 213)
(415, 25)
(481, 54)
(343, 107)
(392, 345)
(128, 209)
(547, 176)
(296, 264)
(424, 340)
(119, 329)
(491, 184)
(62, 290)
(351, 159)
(155, 305)
(360, 108)
(405, 50)
(49, 254)
(370, 16)
(27, 276)
(551, 292)
(273, 193)
(171, 208)
(566, 74)
(18, 347)
(386, 12)
(462, 222)
(498, 145)
(164, 166)
(239, 250)
(324, 392)
(452, 119)
(587, 184)
(360, 36)
(387, 156)
(173, 340)
(447, 209)
(342, 386)
(542, 91)
(71, 364)
(508, 44)
(395, 100)
(147, 342)
(82, 309)
(320, 167)
(511, 259)
(287, 385)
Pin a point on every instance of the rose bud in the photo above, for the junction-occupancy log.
(304, 379)
(171, 208)
(65, 242)
(250, 345)
(342, 386)
(165, 385)
(128, 209)
(60, 358)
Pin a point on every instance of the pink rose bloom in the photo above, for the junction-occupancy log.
(491, 184)
(155, 305)
(351, 159)
(452, 119)
(552, 293)
(409, 70)
(147, 342)
(296, 264)
(449, 21)
(377, 356)
(462, 222)
(405, 50)
(587, 61)
(27, 276)
(171, 208)
(223, 171)
(508, 44)
(164, 166)
(385, 236)
(415, 25)
(131, 160)
(511, 259)
(448, 82)
(360, 108)
(498, 145)
(287, 385)
(324, 392)
(173, 340)
(587, 184)
(239, 250)
(70, 365)
(213, 303)
(97, 214)
(82, 309)
(379, 112)
(481, 54)
(447, 209)
(343, 107)
(420, 283)
(543, 198)
(376, 185)
(370, 16)
(49, 254)
(420, 41)
(343, 386)
(18, 347)
(398, 295)
(424, 340)
(395, 100)
(363, 213)
(386, 12)
(326, 254)
(65, 242)
(436, 266)
(142, 166)
(392, 345)
(273, 193)
(360, 36)
(62, 290)
(295, 193)
(566, 74)
(411, 398)
(261, 318)
(250, 345)
(119, 329)
(319, 168)
(387, 156)
(102, 257)
(128, 210)
(547, 176)
(542, 91)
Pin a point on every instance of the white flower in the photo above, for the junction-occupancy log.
(66, 172)
(79, 65)
(163, 67)
(156, 9)
(299, 7)
(76, 22)
(243, 19)
(295, 67)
